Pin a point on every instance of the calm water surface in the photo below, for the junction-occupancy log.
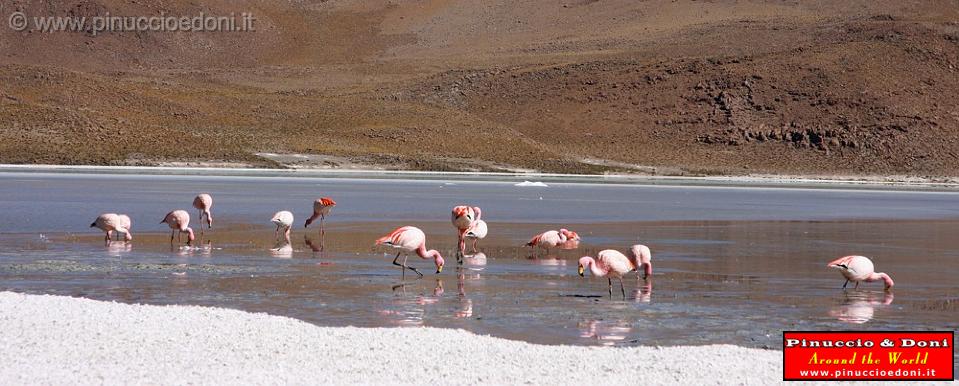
(732, 265)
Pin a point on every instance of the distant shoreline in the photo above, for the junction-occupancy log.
(761, 181)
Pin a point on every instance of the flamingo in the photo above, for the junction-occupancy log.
(125, 223)
(859, 269)
(179, 222)
(570, 235)
(321, 207)
(609, 263)
(462, 217)
(552, 239)
(108, 222)
(204, 202)
(411, 239)
(642, 258)
(282, 219)
(477, 230)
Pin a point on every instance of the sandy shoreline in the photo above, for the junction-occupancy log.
(57, 340)
(756, 180)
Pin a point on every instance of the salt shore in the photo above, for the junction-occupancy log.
(64, 340)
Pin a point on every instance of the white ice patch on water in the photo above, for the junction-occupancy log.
(530, 183)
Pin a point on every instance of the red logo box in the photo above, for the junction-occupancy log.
(868, 355)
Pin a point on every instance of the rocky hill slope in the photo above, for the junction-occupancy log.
(669, 87)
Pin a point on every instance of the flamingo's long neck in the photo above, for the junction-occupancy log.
(882, 276)
(478, 212)
(423, 253)
(316, 215)
(596, 269)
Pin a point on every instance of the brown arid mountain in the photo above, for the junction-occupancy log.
(580, 86)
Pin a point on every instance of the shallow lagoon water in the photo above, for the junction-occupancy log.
(732, 265)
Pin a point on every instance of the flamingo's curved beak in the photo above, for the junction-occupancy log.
(581, 270)
(439, 269)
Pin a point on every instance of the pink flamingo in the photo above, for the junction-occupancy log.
(125, 222)
(858, 269)
(552, 239)
(608, 263)
(641, 257)
(570, 235)
(282, 219)
(179, 222)
(112, 222)
(462, 217)
(410, 239)
(204, 203)
(321, 208)
(476, 231)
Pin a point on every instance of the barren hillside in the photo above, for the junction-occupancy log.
(811, 87)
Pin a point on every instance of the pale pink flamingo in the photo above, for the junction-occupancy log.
(608, 263)
(551, 239)
(476, 231)
(204, 203)
(179, 222)
(410, 239)
(282, 219)
(112, 222)
(859, 269)
(642, 258)
(125, 222)
(321, 207)
(461, 217)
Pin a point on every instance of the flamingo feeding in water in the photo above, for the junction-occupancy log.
(552, 239)
(411, 239)
(859, 269)
(321, 208)
(112, 222)
(642, 258)
(477, 230)
(179, 222)
(125, 223)
(462, 217)
(204, 203)
(611, 263)
(282, 219)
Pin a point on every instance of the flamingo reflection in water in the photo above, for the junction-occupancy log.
(283, 250)
(409, 311)
(318, 247)
(644, 293)
(475, 262)
(118, 249)
(607, 332)
(466, 304)
(859, 307)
